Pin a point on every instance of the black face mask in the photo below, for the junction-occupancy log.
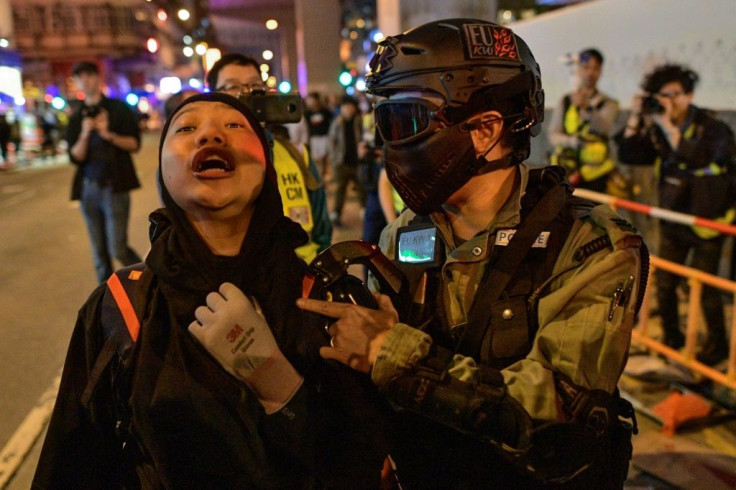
(427, 172)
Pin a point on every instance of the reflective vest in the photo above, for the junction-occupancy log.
(294, 195)
(592, 160)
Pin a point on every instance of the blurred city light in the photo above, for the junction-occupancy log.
(187, 39)
(170, 85)
(211, 56)
(58, 103)
(267, 54)
(188, 51)
(144, 105)
(161, 14)
(345, 78)
(195, 83)
(183, 14)
(201, 48)
(132, 99)
(284, 87)
(152, 45)
(272, 24)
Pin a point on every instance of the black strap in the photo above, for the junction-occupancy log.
(109, 349)
(498, 273)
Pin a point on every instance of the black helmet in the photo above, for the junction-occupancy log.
(473, 64)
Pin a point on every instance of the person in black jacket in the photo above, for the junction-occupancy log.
(101, 136)
(221, 240)
(693, 155)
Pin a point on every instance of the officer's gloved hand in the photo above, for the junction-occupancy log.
(233, 330)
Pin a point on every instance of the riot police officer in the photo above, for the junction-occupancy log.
(504, 367)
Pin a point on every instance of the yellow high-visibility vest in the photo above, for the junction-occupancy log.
(294, 196)
(593, 159)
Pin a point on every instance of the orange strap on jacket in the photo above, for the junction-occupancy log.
(125, 306)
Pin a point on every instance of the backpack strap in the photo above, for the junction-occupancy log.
(123, 306)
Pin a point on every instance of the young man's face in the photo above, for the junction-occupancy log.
(88, 82)
(212, 161)
(236, 79)
(589, 72)
(348, 110)
(311, 102)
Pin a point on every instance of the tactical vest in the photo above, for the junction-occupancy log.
(510, 323)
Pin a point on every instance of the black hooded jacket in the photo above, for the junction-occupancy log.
(194, 425)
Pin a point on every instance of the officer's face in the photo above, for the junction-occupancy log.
(212, 162)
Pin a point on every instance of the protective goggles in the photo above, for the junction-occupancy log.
(400, 121)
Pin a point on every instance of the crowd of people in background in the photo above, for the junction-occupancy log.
(662, 143)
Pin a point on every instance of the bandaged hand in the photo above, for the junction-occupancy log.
(233, 330)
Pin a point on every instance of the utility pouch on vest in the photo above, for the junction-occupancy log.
(510, 322)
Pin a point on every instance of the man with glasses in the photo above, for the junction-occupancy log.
(302, 192)
(504, 360)
(693, 155)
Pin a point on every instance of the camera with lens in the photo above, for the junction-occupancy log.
(651, 105)
(272, 107)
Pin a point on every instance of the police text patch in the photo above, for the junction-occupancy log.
(503, 237)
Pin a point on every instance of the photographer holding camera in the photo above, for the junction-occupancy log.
(693, 156)
(101, 136)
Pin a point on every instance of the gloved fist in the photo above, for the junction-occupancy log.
(233, 330)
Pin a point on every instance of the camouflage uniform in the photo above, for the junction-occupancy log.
(575, 336)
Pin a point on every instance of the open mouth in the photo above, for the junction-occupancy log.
(209, 161)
